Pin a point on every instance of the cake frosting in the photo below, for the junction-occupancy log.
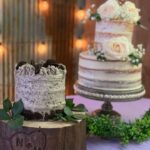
(113, 10)
(112, 68)
(41, 88)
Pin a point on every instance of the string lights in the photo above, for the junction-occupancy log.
(80, 15)
(80, 42)
(43, 6)
(42, 48)
(2, 50)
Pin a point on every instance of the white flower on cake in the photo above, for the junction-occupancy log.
(130, 12)
(117, 48)
(109, 10)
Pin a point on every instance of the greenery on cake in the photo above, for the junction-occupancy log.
(109, 127)
(100, 56)
(11, 113)
(136, 57)
(92, 14)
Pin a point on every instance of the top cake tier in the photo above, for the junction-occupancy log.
(116, 19)
(115, 10)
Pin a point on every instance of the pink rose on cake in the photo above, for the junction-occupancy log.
(109, 10)
(117, 48)
(130, 12)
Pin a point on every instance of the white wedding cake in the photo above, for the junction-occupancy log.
(41, 87)
(112, 68)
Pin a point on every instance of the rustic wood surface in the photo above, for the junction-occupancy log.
(44, 136)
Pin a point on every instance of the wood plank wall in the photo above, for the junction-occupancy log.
(23, 27)
(140, 36)
(61, 27)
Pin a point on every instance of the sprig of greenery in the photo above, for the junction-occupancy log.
(11, 113)
(135, 59)
(100, 56)
(95, 16)
(107, 127)
(68, 112)
(140, 25)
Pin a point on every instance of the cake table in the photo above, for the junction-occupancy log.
(129, 112)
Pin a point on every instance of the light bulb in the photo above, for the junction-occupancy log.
(43, 5)
(2, 49)
(80, 14)
(80, 43)
(42, 48)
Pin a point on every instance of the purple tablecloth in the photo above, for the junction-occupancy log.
(129, 111)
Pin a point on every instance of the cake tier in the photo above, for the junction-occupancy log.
(109, 95)
(114, 77)
(106, 30)
(43, 92)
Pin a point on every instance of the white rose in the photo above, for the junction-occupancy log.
(117, 48)
(110, 10)
(130, 12)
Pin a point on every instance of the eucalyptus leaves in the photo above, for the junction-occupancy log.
(11, 113)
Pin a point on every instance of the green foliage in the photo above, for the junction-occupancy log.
(17, 108)
(108, 127)
(11, 113)
(96, 16)
(16, 122)
(100, 56)
(4, 115)
(135, 59)
(68, 115)
(7, 105)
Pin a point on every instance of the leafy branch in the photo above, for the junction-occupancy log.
(107, 127)
(69, 114)
(11, 113)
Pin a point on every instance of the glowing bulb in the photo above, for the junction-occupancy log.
(80, 14)
(80, 43)
(43, 5)
(42, 48)
(2, 49)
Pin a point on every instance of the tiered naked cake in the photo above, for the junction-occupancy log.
(112, 69)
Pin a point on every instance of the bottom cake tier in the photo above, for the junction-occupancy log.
(109, 95)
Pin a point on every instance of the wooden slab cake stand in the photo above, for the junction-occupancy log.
(50, 135)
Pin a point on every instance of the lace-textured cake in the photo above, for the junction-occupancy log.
(112, 69)
(41, 87)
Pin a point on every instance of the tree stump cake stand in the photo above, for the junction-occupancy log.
(50, 135)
